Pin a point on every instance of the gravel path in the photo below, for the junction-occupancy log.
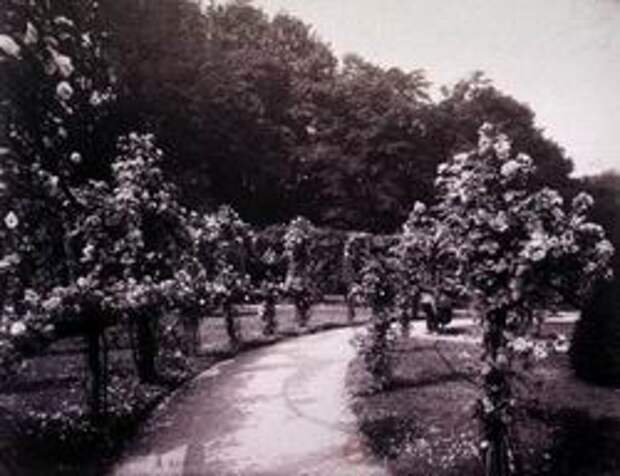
(280, 410)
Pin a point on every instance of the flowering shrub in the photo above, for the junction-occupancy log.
(52, 60)
(355, 253)
(427, 263)
(269, 269)
(269, 292)
(378, 277)
(190, 296)
(76, 218)
(518, 251)
(227, 241)
(299, 246)
(92, 231)
(268, 260)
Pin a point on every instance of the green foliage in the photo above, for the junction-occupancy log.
(365, 145)
(427, 264)
(605, 189)
(299, 249)
(475, 100)
(270, 292)
(517, 250)
(594, 348)
(378, 288)
(597, 334)
(354, 254)
(257, 113)
(58, 93)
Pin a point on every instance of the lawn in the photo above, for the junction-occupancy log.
(425, 424)
(44, 426)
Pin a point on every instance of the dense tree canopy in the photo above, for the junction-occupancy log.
(257, 112)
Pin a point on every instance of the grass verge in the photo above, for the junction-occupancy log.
(44, 424)
(425, 424)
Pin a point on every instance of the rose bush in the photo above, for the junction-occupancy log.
(299, 248)
(518, 251)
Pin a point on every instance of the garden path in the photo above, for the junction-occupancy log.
(280, 410)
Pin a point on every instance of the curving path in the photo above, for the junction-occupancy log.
(281, 410)
(278, 411)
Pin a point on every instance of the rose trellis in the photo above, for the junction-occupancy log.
(299, 246)
(518, 251)
(228, 240)
(427, 263)
(378, 287)
(356, 249)
(58, 91)
(93, 234)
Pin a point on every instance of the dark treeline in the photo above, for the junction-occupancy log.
(258, 113)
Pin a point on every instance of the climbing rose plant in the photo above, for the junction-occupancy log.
(92, 231)
(518, 251)
(228, 240)
(378, 289)
(355, 252)
(59, 94)
(427, 262)
(269, 291)
(299, 246)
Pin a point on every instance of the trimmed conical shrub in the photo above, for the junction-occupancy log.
(595, 350)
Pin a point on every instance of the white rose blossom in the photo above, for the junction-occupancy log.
(582, 202)
(64, 91)
(540, 351)
(75, 157)
(520, 345)
(11, 221)
(9, 47)
(32, 35)
(17, 329)
(64, 65)
(510, 168)
(419, 208)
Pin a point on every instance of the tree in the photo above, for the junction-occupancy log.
(258, 113)
(235, 94)
(269, 291)
(363, 159)
(518, 250)
(158, 50)
(454, 121)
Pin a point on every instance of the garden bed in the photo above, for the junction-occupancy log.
(425, 423)
(44, 423)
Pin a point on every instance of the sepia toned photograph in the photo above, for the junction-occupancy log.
(309, 238)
